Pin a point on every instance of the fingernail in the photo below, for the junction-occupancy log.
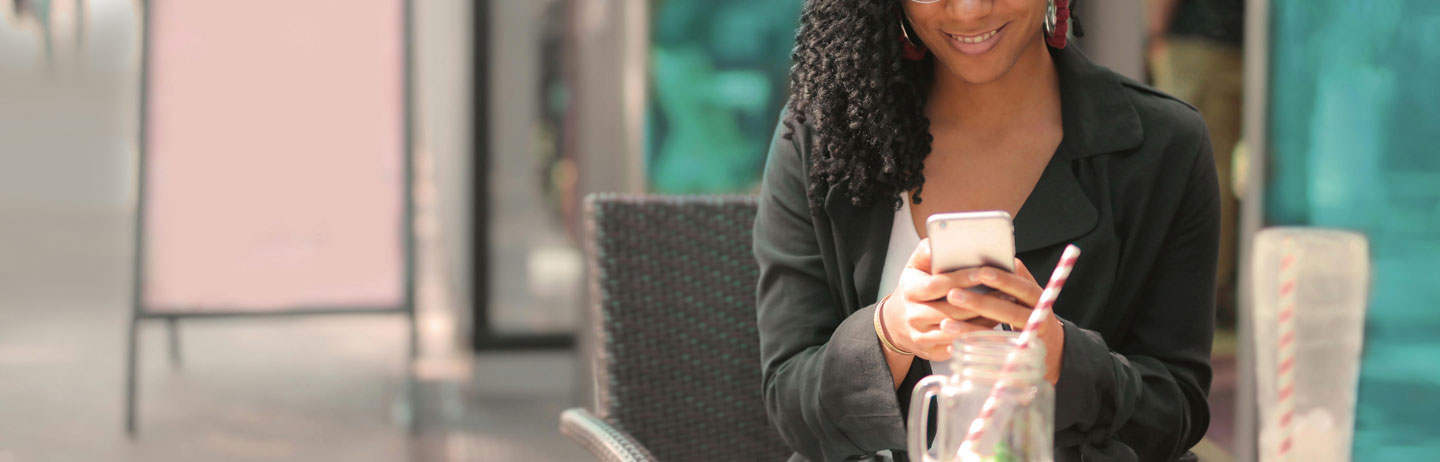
(958, 295)
(988, 275)
(949, 326)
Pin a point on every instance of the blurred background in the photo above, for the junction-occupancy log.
(345, 229)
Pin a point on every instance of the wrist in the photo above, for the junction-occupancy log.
(883, 333)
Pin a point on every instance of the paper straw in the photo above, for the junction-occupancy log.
(1032, 327)
(1285, 357)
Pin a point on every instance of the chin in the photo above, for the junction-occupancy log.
(977, 72)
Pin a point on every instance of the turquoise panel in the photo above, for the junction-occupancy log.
(1354, 130)
(718, 72)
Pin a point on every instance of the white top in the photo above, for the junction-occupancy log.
(903, 240)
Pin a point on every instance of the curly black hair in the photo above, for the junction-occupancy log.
(865, 105)
(863, 102)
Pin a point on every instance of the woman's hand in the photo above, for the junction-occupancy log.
(1014, 299)
(917, 317)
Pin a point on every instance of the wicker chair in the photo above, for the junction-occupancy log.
(676, 353)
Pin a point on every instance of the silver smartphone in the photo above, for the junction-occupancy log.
(970, 239)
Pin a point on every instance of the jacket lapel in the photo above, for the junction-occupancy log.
(1057, 210)
(1098, 118)
(862, 236)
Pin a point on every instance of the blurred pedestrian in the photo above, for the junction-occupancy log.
(1196, 54)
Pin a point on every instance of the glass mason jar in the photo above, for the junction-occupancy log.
(1022, 427)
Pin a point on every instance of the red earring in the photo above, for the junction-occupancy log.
(1057, 24)
(911, 50)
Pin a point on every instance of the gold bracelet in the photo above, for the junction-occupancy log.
(880, 330)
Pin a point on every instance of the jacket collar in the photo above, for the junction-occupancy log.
(1095, 107)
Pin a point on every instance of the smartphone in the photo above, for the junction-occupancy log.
(970, 239)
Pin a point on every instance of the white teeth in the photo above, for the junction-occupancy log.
(978, 38)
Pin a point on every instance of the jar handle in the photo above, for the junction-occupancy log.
(919, 417)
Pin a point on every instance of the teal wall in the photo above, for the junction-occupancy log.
(1354, 133)
(718, 73)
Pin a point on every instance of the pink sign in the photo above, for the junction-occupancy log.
(274, 162)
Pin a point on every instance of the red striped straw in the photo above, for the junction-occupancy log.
(1032, 327)
(1285, 369)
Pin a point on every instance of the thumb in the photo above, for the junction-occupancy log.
(920, 258)
(1021, 270)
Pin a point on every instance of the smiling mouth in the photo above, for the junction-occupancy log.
(976, 38)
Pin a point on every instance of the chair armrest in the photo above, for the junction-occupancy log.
(606, 442)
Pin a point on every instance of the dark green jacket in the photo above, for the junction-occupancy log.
(1133, 184)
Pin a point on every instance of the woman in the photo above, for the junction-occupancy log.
(904, 108)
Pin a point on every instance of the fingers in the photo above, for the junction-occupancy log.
(934, 345)
(990, 307)
(959, 328)
(1024, 272)
(987, 323)
(950, 330)
(920, 258)
(1023, 288)
(921, 288)
(1019, 287)
(938, 352)
(927, 328)
(934, 287)
(924, 316)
